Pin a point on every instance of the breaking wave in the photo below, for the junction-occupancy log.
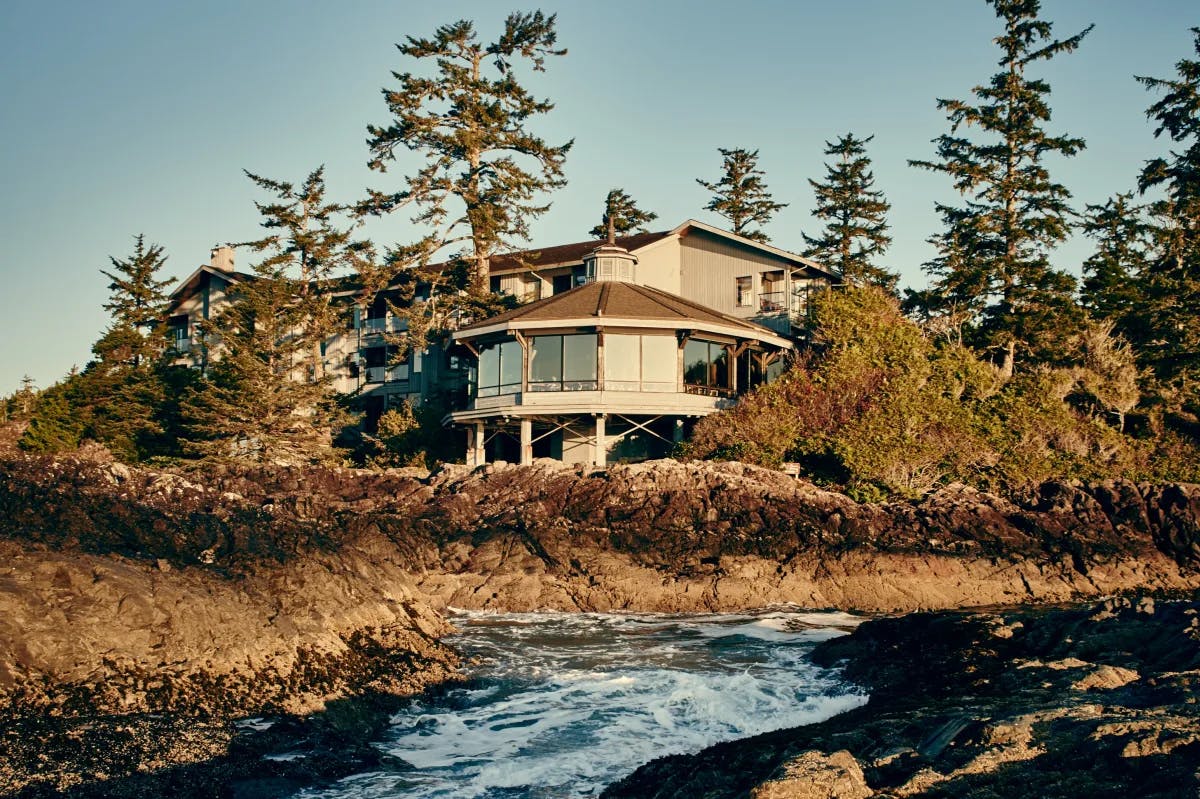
(560, 705)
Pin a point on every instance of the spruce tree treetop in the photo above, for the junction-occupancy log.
(1171, 283)
(626, 217)
(304, 248)
(1110, 289)
(137, 295)
(740, 195)
(138, 302)
(469, 121)
(855, 216)
(994, 255)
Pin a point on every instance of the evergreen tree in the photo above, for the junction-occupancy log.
(305, 248)
(626, 217)
(53, 427)
(1110, 289)
(993, 255)
(137, 302)
(1171, 281)
(117, 399)
(259, 401)
(740, 194)
(22, 403)
(855, 215)
(268, 397)
(469, 121)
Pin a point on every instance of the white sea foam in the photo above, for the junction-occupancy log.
(563, 704)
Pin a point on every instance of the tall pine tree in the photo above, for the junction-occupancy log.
(1111, 275)
(626, 217)
(740, 195)
(855, 216)
(1171, 281)
(268, 397)
(137, 302)
(484, 169)
(306, 246)
(994, 255)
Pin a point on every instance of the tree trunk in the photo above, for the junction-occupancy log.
(1006, 366)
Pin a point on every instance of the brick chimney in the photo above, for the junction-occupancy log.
(221, 257)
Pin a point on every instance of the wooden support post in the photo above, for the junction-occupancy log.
(478, 455)
(525, 358)
(601, 454)
(526, 441)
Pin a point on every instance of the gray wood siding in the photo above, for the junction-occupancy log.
(709, 270)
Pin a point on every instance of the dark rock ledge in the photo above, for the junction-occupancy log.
(1093, 701)
(142, 610)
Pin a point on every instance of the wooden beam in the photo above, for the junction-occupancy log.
(600, 457)
(526, 441)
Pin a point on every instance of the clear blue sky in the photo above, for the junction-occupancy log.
(125, 117)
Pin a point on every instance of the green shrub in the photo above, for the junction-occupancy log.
(878, 409)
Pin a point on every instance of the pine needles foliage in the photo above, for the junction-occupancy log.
(993, 256)
(740, 194)
(484, 170)
(855, 216)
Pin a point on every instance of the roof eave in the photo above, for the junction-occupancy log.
(758, 333)
(776, 251)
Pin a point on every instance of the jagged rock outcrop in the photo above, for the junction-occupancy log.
(1083, 701)
(654, 536)
(710, 536)
(243, 589)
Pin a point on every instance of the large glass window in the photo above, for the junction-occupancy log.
(563, 363)
(510, 367)
(705, 363)
(499, 369)
(545, 362)
(660, 355)
(579, 362)
(745, 291)
(771, 297)
(622, 363)
(750, 370)
(639, 363)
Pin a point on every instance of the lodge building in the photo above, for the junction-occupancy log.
(617, 348)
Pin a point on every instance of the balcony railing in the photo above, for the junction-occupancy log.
(709, 391)
(384, 374)
(771, 301)
(381, 325)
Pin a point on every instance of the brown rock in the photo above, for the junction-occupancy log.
(816, 775)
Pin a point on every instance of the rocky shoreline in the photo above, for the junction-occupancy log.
(126, 593)
(1099, 700)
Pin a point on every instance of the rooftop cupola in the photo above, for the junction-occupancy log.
(610, 262)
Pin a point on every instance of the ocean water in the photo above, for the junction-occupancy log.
(560, 704)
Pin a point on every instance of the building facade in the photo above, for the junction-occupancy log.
(613, 353)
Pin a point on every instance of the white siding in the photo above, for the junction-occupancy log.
(524, 286)
(658, 265)
(710, 268)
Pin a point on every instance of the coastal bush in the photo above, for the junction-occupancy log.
(879, 409)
